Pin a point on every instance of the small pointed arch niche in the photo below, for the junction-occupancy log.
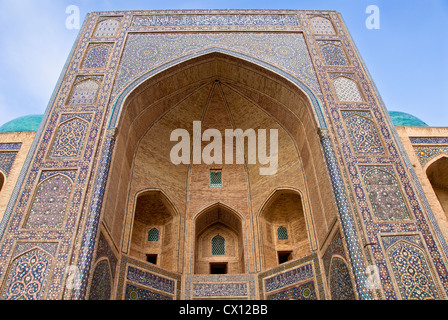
(155, 236)
(322, 25)
(347, 90)
(85, 91)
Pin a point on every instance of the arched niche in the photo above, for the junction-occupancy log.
(437, 173)
(154, 231)
(219, 242)
(283, 230)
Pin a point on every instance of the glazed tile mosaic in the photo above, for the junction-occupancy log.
(304, 291)
(143, 52)
(322, 25)
(55, 217)
(97, 56)
(333, 53)
(6, 161)
(220, 290)
(85, 91)
(70, 136)
(107, 27)
(50, 202)
(146, 280)
(206, 20)
(101, 287)
(10, 146)
(385, 193)
(347, 90)
(220, 286)
(410, 267)
(426, 153)
(363, 133)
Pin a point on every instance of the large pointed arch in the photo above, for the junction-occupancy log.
(308, 92)
(140, 109)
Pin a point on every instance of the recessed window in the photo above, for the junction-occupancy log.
(153, 235)
(218, 246)
(151, 258)
(218, 268)
(284, 256)
(216, 178)
(282, 233)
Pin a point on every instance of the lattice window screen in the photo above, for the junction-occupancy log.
(218, 246)
(153, 235)
(282, 233)
(215, 178)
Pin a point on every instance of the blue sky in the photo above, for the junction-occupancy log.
(407, 57)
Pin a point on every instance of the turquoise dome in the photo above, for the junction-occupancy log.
(403, 119)
(23, 124)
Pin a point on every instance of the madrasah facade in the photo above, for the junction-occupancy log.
(93, 206)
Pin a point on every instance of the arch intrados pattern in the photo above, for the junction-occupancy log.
(200, 218)
(141, 108)
(163, 197)
(149, 85)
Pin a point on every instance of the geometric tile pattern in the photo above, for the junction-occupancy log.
(143, 52)
(347, 90)
(27, 277)
(307, 67)
(219, 290)
(363, 133)
(134, 292)
(289, 277)
(107, 28)
(432, 140)
(426, 153)
(303, 291)
(340, 281)
(226, 286)
(10, 146)
(208, 20)
(410, 268)
(149, 279)
(104, 251)
(6, 161)
(70, 138)
(85, 91)
(385, 194)
(336, 247)
(101, 287)
(97, 56)
(322, 26)
(333, 53)
(50, 202)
